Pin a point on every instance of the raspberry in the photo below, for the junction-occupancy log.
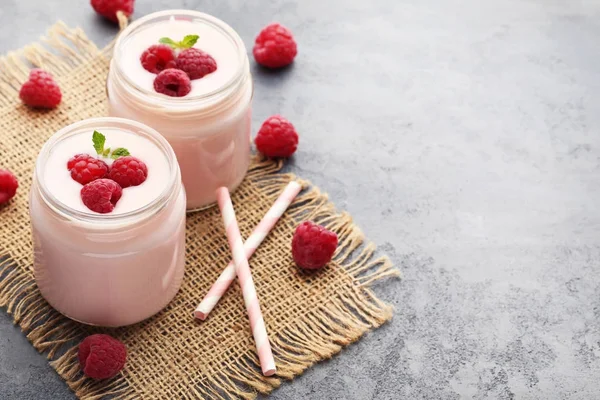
(41, 90)
(128, 171)
(8, 185)
(157, 58)
(275, 46)
(85, 168)
(102, 356)
(108, 8)
(277, 137)
(313, 246)
(101, 195)
(173, 82)
(196, 63)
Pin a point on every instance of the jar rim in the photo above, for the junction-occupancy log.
(98, 124)
(206, 18)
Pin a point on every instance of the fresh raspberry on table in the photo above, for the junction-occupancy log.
(173, 82)
(108, 8)
(157, 58)
(277, 137)
(275, 46)
(85, 168)
(102, 356)
(313, 246)
(41, 90)
(128, 171)
(101, 195)
(196, 63)
(8, 185)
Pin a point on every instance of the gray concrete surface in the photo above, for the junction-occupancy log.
(464, 137)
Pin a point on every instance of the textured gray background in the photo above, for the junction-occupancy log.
(464, 137)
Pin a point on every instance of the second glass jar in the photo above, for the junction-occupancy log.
(210, 128)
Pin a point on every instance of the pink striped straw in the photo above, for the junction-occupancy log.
(259, 234)
(242, 269)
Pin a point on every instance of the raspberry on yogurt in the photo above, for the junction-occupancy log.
(157, 58)
(85, 168)
(196, 63)
(101, 195)
(173, 82)
(128, 171)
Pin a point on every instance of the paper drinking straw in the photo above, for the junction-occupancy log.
(242, 270)
(259, 234)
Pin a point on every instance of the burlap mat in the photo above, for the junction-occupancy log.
(309, 317)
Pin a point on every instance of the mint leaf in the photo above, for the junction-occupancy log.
(99, 140)
(120, 152)
(169, 41)
(189, 41)
(106, 152)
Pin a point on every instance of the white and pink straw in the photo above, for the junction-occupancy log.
(259, 234)
(242, 270)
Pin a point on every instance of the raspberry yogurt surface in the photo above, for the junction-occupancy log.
(60, 184)
(211, 41)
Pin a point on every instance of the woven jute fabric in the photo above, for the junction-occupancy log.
(309, 316)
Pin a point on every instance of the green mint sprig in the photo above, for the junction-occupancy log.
(99, 142)
(187, 42)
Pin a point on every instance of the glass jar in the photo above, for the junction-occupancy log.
(108, 269)
(209, 129)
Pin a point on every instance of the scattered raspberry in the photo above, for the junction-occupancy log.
(173, 82)
(157, 58)
(128, 171)
(196, 63)
(85, 168)
(275, 46)
(101, 195)
(313, 246)
(8, 185)
(41, 90)
(277, 137)
(108, 8)
(102, 356)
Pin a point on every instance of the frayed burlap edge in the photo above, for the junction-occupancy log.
(319, 335)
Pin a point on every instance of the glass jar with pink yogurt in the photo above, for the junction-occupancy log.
(109, 269)
(209, 128)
